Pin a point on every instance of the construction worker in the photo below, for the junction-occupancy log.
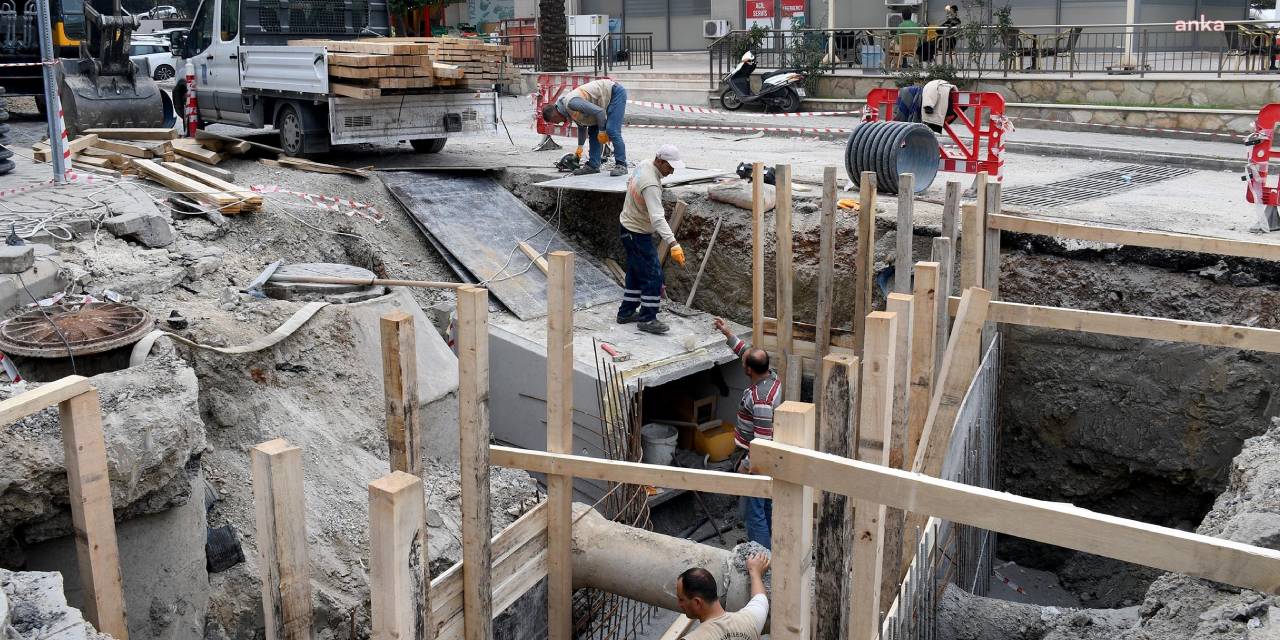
(698, 597)
(598, 108)
(755, 420)
(642, 215)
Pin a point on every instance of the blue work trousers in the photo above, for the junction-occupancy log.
(612, 126)
(643, 289)
(757, 518)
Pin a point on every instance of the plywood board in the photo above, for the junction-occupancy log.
(605, 183)
(478, 223)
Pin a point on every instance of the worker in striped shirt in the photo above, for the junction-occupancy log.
(755, 420)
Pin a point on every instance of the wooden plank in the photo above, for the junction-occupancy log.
(473, 456)
(757, 253)
(795, 373)
(85, 453)
(560, 440)
(991, 259)
(378, 59)
(972, 240)
(944, 255)
(124, 148)
(249, 200)
(661, 476)
(903, 306)
(405, 83)
(783, 266)
(196, 152)
(400, 390)
(365, 46)
(951, 212)
(790, 608)
(398, 588)
(826, 271)
(352, 91)
(903, 261)
(923, 318)
(1053, 523)
(677, 217)
(980, 198)
(805, 332)
(875, 428)
(864, 272)
(533, 255)
(281, 519)
(836, 431)
(1134, 237)
(678, 628)
(192, 189)
(92, 161)
(158, 133)
(320, 167)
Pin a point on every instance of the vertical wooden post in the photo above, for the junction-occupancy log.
(281, 519)
(400, 387)
(991, 260)
(473, 460)
(951, 211)
(826, 269)
(903, 306)
(923, 318)
(980, 192)
(677, 217)
(792, 530)
(795, 372)
(875, 427)
(839, 393)
(906, 231)
(784, 265)
(972, 239)
(864, 276)
(560, 440)
(757, 254)
(97, 555)
(944, 255)
(398, 584)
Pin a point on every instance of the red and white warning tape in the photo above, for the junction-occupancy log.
(684, 108)
(743, 129)
(1008, 583)
(10, 369)
(1130, 127)
(331, 203)
(72, 176)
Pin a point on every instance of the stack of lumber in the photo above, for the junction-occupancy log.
(111, 150)
(371, 67)
(199, 186)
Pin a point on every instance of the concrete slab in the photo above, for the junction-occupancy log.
(604, 183)
(16, 259)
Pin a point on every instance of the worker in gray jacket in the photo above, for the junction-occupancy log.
(642, 216)
(597, 108)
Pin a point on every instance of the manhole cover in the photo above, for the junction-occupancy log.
(1090, 187)
(90, 328)
(278, 287)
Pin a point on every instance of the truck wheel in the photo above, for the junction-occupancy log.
(292, 133)
(433, 145)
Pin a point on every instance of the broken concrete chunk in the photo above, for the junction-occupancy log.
(16, 259)
(739, 195)
(150, 229)
(37, 608)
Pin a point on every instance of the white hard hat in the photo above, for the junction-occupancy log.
(671, 154)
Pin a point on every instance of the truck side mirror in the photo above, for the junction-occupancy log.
(177, 43)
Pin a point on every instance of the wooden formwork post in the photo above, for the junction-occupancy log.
(677, 217)
(991, 258)
(905, 232)
(924, 315)
(951, 211)
(473, 460)
(864, 273)
(875, 429)
(560, 440)
(281, 518)
(398, 583)
(972, 239)
(944, 255)
(980, 192)
(826, 273)
(783, 266)
(903, 306)
(794, 424)
(97, 554)
(757, 254)
(400, 387)
(836, 431)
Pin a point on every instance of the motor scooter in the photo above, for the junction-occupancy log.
(779, 90)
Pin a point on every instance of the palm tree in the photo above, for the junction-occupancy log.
(555, 42)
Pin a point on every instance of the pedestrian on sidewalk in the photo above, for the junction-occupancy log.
(698, 597)
(642, 216)
(598, 108)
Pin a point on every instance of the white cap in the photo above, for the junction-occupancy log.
(671, 154)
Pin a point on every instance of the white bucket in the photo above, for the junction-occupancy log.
(658, 442)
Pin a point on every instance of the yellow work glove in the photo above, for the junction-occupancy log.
(602, 137)
(577, 153)
(677, 254)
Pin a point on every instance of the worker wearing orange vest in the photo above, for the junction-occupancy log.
(598, 108)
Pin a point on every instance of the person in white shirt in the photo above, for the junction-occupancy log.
(698, 597)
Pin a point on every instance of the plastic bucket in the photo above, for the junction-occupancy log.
(658, 443)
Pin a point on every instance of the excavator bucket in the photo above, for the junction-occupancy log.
(91, 100)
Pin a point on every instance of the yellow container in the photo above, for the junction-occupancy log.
(716, 442)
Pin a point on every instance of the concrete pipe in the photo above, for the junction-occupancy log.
(891, 149)
(643, 565)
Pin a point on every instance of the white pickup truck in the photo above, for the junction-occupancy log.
(248, 75)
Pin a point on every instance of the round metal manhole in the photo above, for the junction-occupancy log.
(89, 328)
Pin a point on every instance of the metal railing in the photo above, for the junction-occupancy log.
(1246, 47)
(600, 54)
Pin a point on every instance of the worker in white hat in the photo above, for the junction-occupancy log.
(642, 216)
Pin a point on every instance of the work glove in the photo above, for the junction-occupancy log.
(677, 254)
(577, 153)
(602, 138)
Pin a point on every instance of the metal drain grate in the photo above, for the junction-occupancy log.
(1091, 186)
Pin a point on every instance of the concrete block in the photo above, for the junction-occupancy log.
(16, 259)
(41, 280)
(152, 230)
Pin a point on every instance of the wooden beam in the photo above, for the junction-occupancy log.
(923, 331)
(826, 268)
(944, 255)
(560, 440)
(281, 519)
(783, 266)
(875, 430)
(1053, 523)
(951, 211)
(1134, 237)
(42, 397)
(473, 460)
(156, 133)
(905, 233)
(792, 531)
(980, 196)
(903, 306)
(125, 148)
(836, 431)
(533, 255)
(662, 476)
(85, 453)
(991, 259)
(219, 173)
(193, 189)
(864, 272)
(197, 152)
(400, 389)
(803, 331)
(249, 200)
(398, 586)
(972, 240)
(678, 628)
(677, 218)
(757, 253)
(795, 370)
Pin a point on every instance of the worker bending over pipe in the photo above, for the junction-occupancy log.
(699, 599)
